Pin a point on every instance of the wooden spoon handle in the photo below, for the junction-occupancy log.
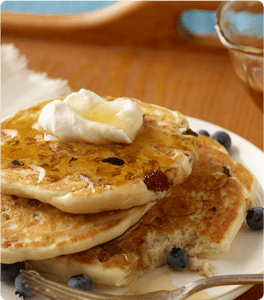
(130, 23)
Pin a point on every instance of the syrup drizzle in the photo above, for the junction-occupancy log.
(60, 159)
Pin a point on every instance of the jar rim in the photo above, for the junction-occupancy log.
(226, 41)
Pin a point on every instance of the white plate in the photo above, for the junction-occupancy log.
(244, 257)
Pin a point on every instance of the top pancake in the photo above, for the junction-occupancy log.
(80, 178)
(202, 215)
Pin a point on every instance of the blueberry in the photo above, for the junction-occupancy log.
(203, 132)
(178, 259)
(9, 272)
(255, 218)
(114, 161)
(17, 163)
(223, 138)
(81, 282)
(21, 290)
(226, 171)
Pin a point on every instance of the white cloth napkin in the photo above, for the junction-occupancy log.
(21, 87)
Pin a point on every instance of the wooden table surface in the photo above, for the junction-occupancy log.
(140, 54)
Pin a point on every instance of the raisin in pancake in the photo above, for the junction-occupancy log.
(80, 178)
(31, 229)
(203, 215)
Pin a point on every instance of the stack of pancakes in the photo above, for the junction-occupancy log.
(113, 212)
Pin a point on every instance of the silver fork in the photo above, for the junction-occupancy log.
(59, 291)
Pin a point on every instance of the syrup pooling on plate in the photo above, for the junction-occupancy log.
(61, 159)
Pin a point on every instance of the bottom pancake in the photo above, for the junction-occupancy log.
(202, 215)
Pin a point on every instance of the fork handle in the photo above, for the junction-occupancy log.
(215, 281)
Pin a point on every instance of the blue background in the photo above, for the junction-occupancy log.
(53, 7)
(196, 21)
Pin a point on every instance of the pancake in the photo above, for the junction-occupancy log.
(202, 215)
(82, 178)
(31, 229)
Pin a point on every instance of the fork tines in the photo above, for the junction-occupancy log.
(55, 290)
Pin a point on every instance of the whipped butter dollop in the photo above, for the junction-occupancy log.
(85, 116)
